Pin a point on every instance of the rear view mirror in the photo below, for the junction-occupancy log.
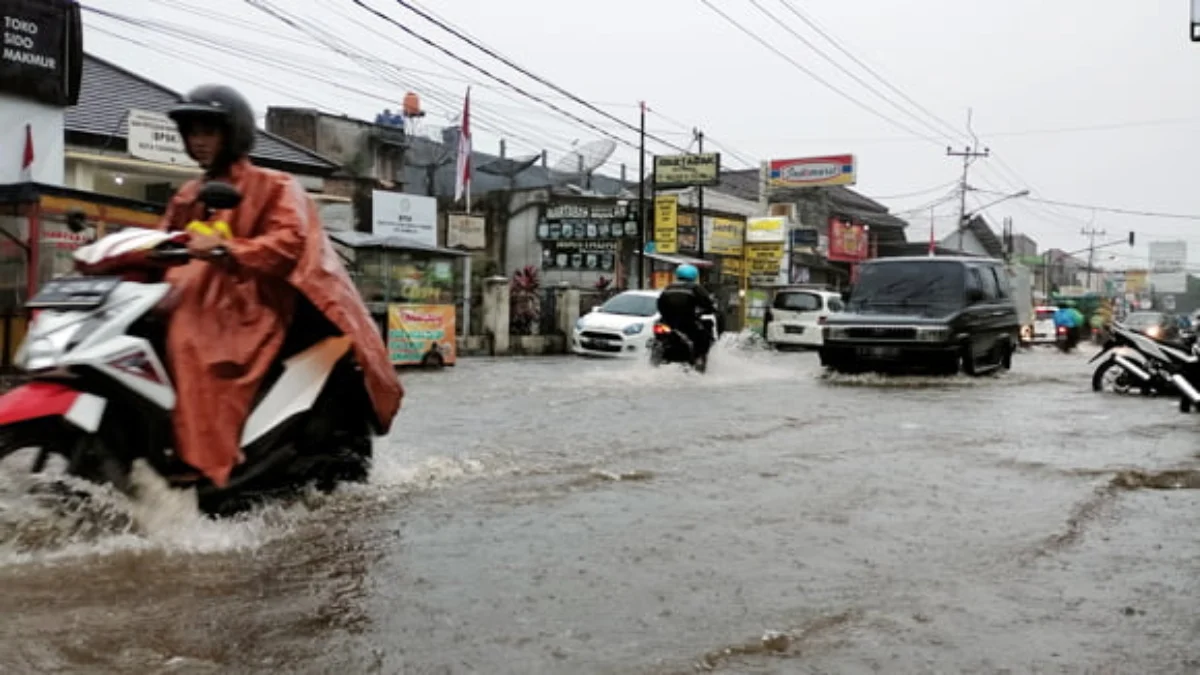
(76, 221)
(219, 196)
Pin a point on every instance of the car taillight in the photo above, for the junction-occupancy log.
(821, 320)
(661, 329)
(1062, 329)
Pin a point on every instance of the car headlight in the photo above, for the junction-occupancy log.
(933, 334)
(634, 329)
(578, 324)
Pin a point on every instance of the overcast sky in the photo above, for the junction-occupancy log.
(1086, 101)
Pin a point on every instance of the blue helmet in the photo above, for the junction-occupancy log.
(687, 272)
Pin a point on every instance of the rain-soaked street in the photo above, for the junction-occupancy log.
(575, 516)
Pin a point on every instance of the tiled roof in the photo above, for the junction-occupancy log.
(109, 91)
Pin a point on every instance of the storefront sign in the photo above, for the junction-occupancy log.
(155, 138)
(687, 232)
(1168, 262)
(666, 209)
(761, 230)
(417, 331)
(41, 50)
(398, 214)
(813, 171)
(469, 232)
(763, 258)
(583, 256)
(805, 237)
(727, 237)
(680, 171)
(847, 241)
(581, 221)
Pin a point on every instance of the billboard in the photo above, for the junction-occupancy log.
(848, 242)
(1168, 266)
(766, 230)
(417, 332)
(41, 53)
(397, 214)
(666, 232)
(680, 171)
(813, 171)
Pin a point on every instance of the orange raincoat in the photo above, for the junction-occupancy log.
(228, 323)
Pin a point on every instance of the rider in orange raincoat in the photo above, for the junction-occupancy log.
(230, 316)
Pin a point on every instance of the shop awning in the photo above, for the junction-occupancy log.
(389, 242)
(679, 259)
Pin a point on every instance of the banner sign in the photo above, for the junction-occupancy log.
(41, 50)
(666, 233)
(813, 171)
(680, 171)
(583, 256)
(399, 214)
(766, 230)
(582, 221)
(848, 241)
(727, 237)
(415, 332)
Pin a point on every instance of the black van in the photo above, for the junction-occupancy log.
(927, 313)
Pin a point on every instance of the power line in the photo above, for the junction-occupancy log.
(868, 86)
(918, 193)
(1111, 209)
(796, 64)
(813, 24)
(533, 76)
(485, 72)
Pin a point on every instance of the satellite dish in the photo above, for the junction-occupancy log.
(585, 159)
(509, 168)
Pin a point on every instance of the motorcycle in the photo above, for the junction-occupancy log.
(672, 346)
(100, 397)
(1065, 340)
(1140, 362)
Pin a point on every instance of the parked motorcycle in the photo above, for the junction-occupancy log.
(672, 346)
(1137, 362)
(101, 398)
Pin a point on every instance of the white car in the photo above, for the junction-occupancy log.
(1043, 325)
(797, 316)
(621, 327)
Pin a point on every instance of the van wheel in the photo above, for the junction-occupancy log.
(969, 365)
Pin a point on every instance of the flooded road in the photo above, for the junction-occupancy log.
(574, 516)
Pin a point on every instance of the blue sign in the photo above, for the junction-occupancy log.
(805, 236)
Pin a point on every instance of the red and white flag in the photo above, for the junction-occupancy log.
(462, 171)
(27, 156)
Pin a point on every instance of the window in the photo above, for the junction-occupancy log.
(1002, 283)
(835, 304)
(797, 302)
(990, 291)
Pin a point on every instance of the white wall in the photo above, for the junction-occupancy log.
(48, 140)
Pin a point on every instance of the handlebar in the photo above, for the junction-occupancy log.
(183, 255)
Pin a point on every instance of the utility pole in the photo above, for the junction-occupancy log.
(968, 154)
(699, 202)
(641, 218)
(1091, 233)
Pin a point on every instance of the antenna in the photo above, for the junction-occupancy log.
(585, 159)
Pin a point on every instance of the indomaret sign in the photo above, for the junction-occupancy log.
(41, 50)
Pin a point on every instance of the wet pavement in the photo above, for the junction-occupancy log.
(576, 516)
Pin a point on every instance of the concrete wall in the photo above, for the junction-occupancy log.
(352, 143)
(48, 140)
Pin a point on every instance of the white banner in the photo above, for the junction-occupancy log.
(155, 138)
(398, 214)
(1168, 266)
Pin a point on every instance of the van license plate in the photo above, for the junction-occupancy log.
(882, 352)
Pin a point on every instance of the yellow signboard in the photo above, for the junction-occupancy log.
(766, 230)
(666, 230)
(733, 267)
(727, 236)
(679, 171)
(764, 252)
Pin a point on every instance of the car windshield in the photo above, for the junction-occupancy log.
(631, 304)
(1142, 320)
(909, 285)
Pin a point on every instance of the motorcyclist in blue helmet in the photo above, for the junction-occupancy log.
(682, 303)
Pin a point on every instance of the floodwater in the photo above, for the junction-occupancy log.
(575, 516)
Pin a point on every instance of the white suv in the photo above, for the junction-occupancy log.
(797, 315)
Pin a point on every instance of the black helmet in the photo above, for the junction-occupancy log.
(223, 106)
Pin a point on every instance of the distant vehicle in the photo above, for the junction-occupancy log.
(1157, 325)
(1043, 325)
(797, 316)
(934, 313)
(621, 327)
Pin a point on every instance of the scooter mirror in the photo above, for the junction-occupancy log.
(76, 221)
(219, 196)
